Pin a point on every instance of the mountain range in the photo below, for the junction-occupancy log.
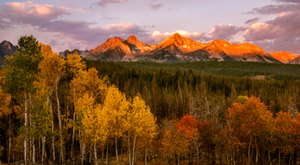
(175, 48)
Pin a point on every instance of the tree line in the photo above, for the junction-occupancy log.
(69, 111)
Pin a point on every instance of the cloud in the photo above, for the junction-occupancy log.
(289, 1)
(224, 31)
(29, 13)
(253, 20)
(276, 9)
(281, 33)
(103, 3)
(156, 6)
(261, 31)
(47, 18)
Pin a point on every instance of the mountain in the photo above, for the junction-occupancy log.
(224, 51)
(295, 60)
(284, 57)
(82, 53)
(136, 46)
(114, 49)
(180, 43)
(177, 48)
(6, 48)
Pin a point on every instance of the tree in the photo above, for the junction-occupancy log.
(286, 134)
(94, 122)
(249, 119)
(188, 126)
(5, 100)
(89, 82)
(85, 82)
(208, 137)
(51, 70)
(116, 107)
(19, 76)
(142, 126)
(5, 111)
(74, 64)
(174, 144)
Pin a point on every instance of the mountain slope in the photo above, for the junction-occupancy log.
(296, 60)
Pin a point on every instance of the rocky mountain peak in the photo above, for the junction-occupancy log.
(182, 43)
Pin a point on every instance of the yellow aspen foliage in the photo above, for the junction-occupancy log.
(51, 69)
(94, 120)
(89, 82)
(142, 121)
(116, 107)
(75, 64)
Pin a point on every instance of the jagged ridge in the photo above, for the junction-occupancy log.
(178, 48)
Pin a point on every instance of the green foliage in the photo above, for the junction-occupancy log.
(22, 66)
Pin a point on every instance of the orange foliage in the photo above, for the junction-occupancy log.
(188, 126)
(249, 120)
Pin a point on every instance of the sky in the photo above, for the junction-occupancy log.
(67, 24)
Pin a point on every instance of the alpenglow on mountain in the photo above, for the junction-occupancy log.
(177, 48)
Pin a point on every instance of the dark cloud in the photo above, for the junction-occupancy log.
(103, 3)
(289, 1)
(156, 6)
(276, 9)
(253, 20)
(224, 31)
